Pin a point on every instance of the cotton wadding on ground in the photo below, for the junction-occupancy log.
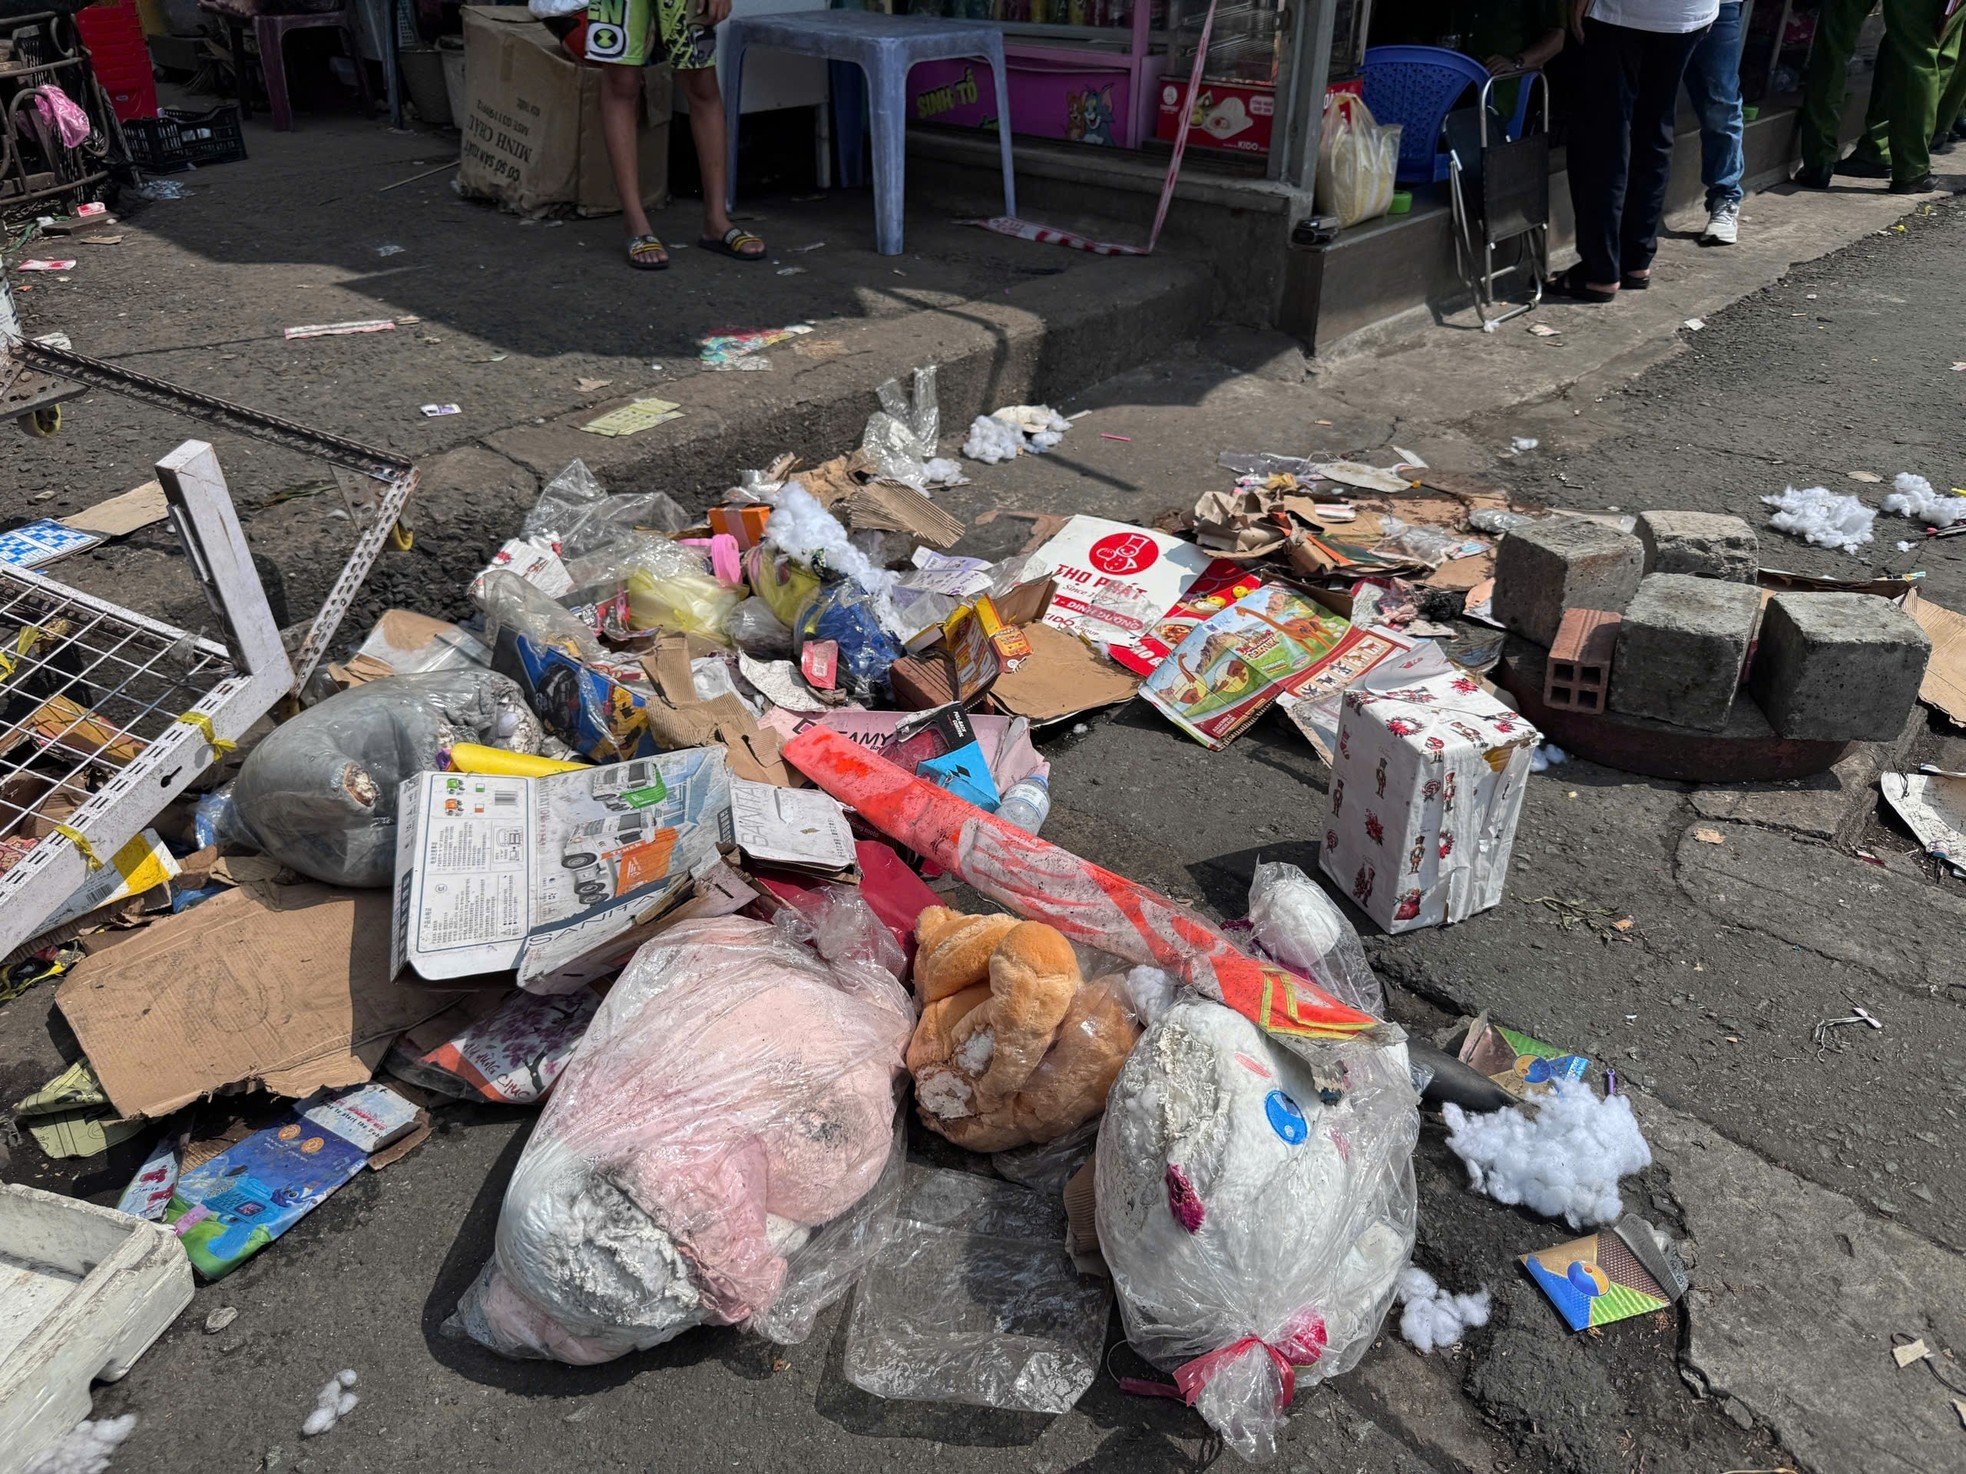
(1912, 496)
(1433, 1318)
(1561, 1155)
(86, 1448)
(335, 1403)
(1823, 517)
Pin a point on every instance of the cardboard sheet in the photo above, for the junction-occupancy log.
(800, 827)
(1062, 678)
(1115, 581)
(1944, 687)
(119, 516)
(284, 987)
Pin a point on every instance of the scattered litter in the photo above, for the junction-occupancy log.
(1868, 477)
(437, 411)
(632, 419)
(344, 329)
(588, 386)
(1434, 1319)
(791, 271)
(1562, 1156)
(1521, 443)
(733, 350)
(1912, 496)
(219, 1319)
(1823, 1036)
(391, 250)
(1612, 1275)
(1547, 756)
(1543, 330)
(1709, 836)
(42, 263)
(813, 247)
(1012, 431)
(1910, 1351)
(86, 1448)
(335, 1402)
(1694, 324)
(39, 543)
(1932, 802)
(161, 189)
(1905, 547)
(1820, 516)
(1525, 1067)
(1126, 439)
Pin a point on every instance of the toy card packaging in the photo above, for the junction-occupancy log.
(1523, 1066)
(228, 1208)
(1425, 794)
(1220, 585)
(1611, 1275)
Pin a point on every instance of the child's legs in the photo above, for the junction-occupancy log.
(706, 126)
(621, 108)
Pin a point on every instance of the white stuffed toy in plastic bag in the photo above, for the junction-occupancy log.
(1255, 1205)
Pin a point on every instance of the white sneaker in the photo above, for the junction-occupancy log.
(1723, 224)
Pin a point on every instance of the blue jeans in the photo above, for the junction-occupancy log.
(1713, 82)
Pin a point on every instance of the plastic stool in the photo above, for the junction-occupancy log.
(885, 48)
(270, 31)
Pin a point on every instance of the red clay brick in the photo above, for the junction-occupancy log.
(1578, 675)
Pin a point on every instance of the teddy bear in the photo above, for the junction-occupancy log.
(1013, 1046)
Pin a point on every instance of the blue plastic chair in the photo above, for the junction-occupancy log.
(883, 48)
(1417, 87)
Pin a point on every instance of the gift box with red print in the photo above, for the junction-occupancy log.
(1425, 793)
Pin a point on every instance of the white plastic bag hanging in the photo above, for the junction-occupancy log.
(1357, 161)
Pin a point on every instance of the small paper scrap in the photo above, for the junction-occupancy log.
(633, 418)
(1869, 477)
(40, 263)
(1543, 330)
(42, 542)
(1694, 324)
(1910, 1352)
(342, 329)
(435, 411)
(1709, 836)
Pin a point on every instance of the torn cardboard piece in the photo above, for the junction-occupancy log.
(1932, 802)
(797, 828)
(287, 988)
(119, 516)
(1611, 1275)
(505, 1048)
(404, 643)
(677, 718)
(1944, 686)
(1522, 1066)
(1062, 678)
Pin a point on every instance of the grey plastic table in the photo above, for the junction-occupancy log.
(885, 48)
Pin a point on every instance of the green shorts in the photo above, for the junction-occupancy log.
(640, 33)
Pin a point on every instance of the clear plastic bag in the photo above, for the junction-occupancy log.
(669, 586)
(1299, 925)
(1496, 521)
(973, 1299)
(1429, 544)
(837, 922)
(714, 1153)
(510, 602)
(318, 794)
(574, 510)
(754, 629)
(1357, 161)
(1255, 1207)
(900, 437)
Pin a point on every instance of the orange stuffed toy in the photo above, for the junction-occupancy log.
(1013, 1046)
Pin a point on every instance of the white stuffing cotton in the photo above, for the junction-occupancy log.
(334, 1403)
(813, 535)
(84, 1449)
(1546, 757)
(1012, 430)
(1912, 496)
(1433, 1318)
(1561, 1156)
(1823, 517)
(992, 441)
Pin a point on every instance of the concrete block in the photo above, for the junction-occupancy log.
(1702, 544)
(1838, 667)
(1681, 649)
(1546, 567)
(1578, 674)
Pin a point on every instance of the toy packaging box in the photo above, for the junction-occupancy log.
(1425, 794)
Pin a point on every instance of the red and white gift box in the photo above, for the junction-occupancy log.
(1425, 793)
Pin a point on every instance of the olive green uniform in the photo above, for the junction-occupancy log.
(1905, 90)
(1875, 145)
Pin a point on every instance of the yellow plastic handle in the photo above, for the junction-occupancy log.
(469, 757)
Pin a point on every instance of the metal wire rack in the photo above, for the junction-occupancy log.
(107, 715)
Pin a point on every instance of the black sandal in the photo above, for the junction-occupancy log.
(1571, 286)
(733, 243)
(646, 253)
(1630, 283)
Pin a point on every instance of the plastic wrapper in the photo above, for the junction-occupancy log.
(837, 922)
(319, 793)
(1047, 1166)
(1255, 1207)
(669, 586)
(780, 581)
(1357, 161)
(847, 614)
(1496, 521)
(1298, 924)
(721, 1150)
(900, 437)
(575, 511)
(973, 1299)
(510, 602)
(753, 628)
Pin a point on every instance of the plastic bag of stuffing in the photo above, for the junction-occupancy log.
(668, 586)
(973, 1299)
(1298, 924)
(1255, 1206)
(721, 1150)
(319, 793)
(574, 511)
(900, 437)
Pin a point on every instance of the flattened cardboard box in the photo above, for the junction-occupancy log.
(285, 987)
(522, 93)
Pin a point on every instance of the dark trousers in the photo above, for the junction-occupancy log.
(1621, 143)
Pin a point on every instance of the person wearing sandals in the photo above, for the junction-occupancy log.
(623, 37)
(1621, 135)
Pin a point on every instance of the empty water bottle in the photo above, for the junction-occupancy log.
(1027, 804)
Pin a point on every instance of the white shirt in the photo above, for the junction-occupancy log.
(1674, 17)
